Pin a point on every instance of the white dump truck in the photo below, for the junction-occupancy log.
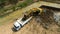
(26, 18)
(20, 23)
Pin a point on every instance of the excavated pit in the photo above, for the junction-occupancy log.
(46, 19)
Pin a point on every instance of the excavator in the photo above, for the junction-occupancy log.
(28, 15)
(32, 12)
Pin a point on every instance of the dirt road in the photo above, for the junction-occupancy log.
(29, 28)
(32, 27)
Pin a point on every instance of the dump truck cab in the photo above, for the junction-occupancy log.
(17, 26)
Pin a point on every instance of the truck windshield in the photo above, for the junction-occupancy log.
(16, 27)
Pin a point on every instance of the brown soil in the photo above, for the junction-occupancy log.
(33, 27)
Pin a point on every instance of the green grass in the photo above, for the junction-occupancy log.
(13, 8)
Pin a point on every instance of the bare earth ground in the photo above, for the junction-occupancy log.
(31, 28)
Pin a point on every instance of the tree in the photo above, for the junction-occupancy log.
(2, 3)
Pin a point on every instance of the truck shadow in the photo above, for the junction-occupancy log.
(14, 30)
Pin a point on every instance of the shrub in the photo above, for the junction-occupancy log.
(29, 1)
(13, 1)
(22, 4)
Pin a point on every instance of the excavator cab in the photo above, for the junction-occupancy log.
(32, 12)
(36, 12)
(24, 18)
(26, 15)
